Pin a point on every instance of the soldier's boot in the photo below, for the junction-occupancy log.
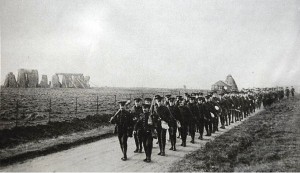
(174, 148)
(163, 152)
(193, 139)
(200, 137)
(124, 158)
(148, 159)
(171, 145)
(222, 127)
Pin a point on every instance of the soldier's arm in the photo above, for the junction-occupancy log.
(113, 119)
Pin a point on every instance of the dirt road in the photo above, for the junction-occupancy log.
(104, 155)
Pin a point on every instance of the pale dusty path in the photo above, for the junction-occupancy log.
(104, 155)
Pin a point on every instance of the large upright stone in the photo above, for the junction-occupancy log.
(44, 82)
(230, 81)
(10, 81)
(22, 78)
(33, 78)
(55, 82)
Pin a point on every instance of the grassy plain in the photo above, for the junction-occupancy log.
(269, 141)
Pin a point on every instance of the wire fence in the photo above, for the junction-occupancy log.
(40, 109)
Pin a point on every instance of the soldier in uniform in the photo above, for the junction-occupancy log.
(124, 122)
(175, 116)
(293, 91)
(193, 119)
(177, 103)
(201, 119)
(223, 115)
(216, 110)
(184, 120)
(145, 121)
(163, 118)
(207, 116)
(287, 92)
(136, 112)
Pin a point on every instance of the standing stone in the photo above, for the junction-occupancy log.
(44, 82)
(55, 82)
(230, 81)
(22, 78)
(33, 78)
(10, 81)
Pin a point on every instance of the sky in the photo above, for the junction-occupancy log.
(157, 43)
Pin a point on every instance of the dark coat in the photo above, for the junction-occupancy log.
(123, 121)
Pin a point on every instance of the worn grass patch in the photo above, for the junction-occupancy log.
(19, 135)
(268, 141)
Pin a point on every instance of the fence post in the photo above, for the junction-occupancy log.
(115, 98)
(49, 117)
(97, 105)
(75, 105)
(17, 112)
(179, 93)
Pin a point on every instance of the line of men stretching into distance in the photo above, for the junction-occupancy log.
(153, 117)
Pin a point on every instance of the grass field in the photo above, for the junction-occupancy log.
(31, 106)
(269, 141)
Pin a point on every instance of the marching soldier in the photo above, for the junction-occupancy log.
(194, 116)
(207, 116)
(216, 110)
(163, 119)
(175, 116)
(201, 117)
(124, 122)
(184, 120)
(145, 121)
(293, 91)
(223, 115)
(136, 112)
(287, 92)
(177, 103)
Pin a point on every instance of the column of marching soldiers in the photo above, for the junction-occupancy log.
(152, 118)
